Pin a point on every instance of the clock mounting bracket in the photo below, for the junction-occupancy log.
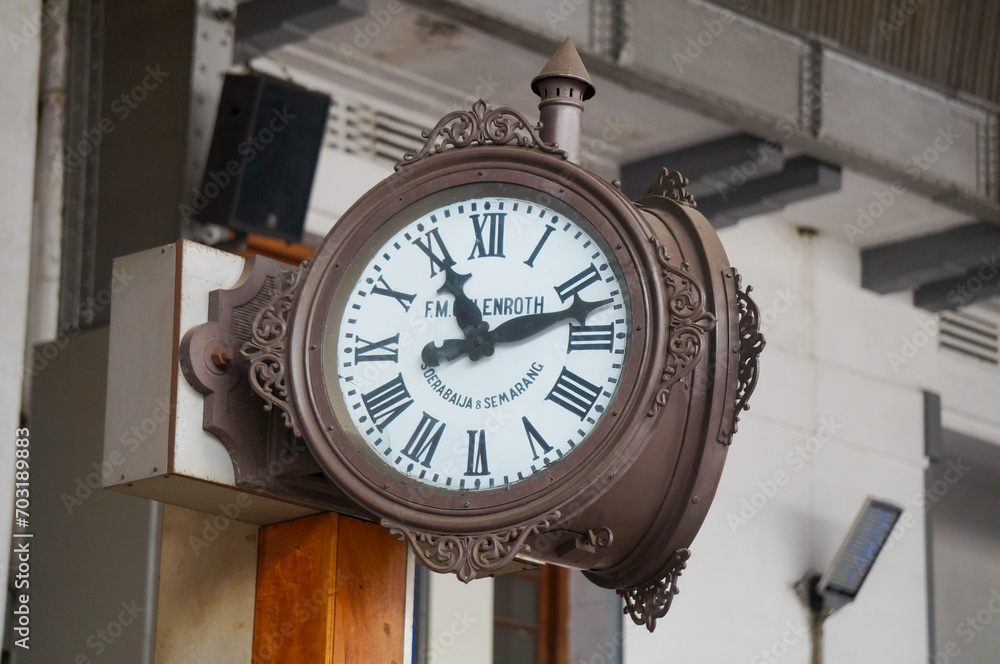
(266, 350)
(237, 360)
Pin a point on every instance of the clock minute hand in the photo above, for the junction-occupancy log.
(466, 311)
(479, 339)
(523, 327)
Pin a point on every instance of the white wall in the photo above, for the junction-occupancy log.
(835, 418)
(460, 620)
(18, 72)
(206, 597)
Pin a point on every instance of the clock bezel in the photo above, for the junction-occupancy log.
(579, 477)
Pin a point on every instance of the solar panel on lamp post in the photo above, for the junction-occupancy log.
(840, 584)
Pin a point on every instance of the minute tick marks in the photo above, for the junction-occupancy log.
(440, 339)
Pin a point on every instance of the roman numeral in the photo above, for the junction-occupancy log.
(424, 440)
(378, 351)
(477, 454)
(573, 393)
(441, 261)
(385, 403)
(538, 247)
(591, 337)
(404, 299)
(577, 283)
(534, 436)
(492, 225)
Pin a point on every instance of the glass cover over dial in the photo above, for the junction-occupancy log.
(481, 342)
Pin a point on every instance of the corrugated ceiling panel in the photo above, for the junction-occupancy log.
(955, 44)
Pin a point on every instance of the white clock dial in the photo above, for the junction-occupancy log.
(483, 341)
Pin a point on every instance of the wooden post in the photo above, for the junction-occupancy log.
(330, 590)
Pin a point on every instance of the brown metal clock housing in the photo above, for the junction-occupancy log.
(625, 505)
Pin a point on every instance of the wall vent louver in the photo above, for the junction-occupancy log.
(358, 128)
(970, 335)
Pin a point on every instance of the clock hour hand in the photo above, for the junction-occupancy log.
(523, 327)
(477, 343)
(467, 313)
(433, 355)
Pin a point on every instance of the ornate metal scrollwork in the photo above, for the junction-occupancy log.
(266, 350)
(647, 604)
(688, 325)
(751, 344)
(469, 555)
(482, 125)
(670, 184)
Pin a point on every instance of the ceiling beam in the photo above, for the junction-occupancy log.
(979, 283)
(816, 141)
(262, 25)
(801, 178)
(736, 176)
(706, 165)
(939, 257)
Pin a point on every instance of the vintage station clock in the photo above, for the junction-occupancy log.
(504, 360)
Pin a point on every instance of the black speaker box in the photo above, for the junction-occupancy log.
(260, 166)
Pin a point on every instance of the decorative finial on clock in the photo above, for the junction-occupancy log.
(563, 85)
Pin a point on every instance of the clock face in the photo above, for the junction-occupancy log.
(478, 339)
